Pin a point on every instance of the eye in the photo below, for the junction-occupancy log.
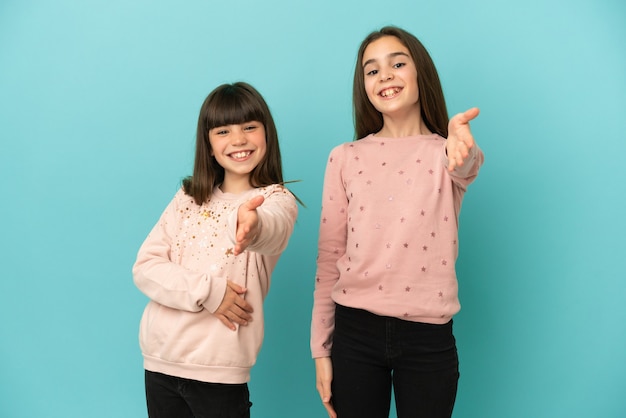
(220, 131)
(372, 72)
(399, 65)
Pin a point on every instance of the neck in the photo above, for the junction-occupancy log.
(399, 126)
(235, 185)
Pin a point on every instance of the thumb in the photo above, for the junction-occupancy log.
(326, 394)
(236, 288)
(468, 115)
(255, 202)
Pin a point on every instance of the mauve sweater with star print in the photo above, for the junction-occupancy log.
(388, 238)
(183, 266)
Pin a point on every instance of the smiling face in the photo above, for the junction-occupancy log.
(390, 78)
(238, 148)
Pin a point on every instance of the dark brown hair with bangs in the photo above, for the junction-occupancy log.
(232, 104)
(368, 120)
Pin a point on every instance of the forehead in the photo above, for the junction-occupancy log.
(382, 48)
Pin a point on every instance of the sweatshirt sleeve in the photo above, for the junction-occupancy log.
(168, 283)
(331, 246)
(277, 217)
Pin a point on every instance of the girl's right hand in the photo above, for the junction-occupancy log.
(234, 309)
(460, 139)
(324, 376)
(247, 224)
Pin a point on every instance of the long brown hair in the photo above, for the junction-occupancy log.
(232, 104)
(368, 120)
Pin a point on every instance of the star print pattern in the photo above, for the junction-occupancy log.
(394, 217)
(202, 232)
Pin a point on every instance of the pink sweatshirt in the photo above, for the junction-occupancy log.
(183, 266)
(388, 239)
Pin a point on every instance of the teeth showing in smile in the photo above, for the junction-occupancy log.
(241, 154)
(390, 92)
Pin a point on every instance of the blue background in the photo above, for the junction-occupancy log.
(98, 106)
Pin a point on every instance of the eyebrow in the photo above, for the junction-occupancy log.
(392, 55)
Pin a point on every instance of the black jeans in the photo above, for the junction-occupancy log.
(175, 397)
(372, 353)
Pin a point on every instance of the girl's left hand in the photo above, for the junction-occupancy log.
(460, 139)
(247, 224)
(234, 309)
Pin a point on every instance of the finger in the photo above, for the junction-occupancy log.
(460, 157)
(451, 151)
(242, 230)
(244, 306)
(468, 141)
(330, 410)
(247, 233)
(244, 241)
(464, 135)
(236, 318)
(451, 163)
(236, 315)
(468, 115)
(238, 306)
(239, 313)
(238, 300)
(235, 311)
(462, 149)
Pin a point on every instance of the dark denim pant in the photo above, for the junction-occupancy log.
(175, 397)
(371, 353)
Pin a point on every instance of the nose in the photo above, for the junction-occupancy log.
(239, 137)
(386, 75)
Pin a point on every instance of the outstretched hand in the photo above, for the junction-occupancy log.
(247, 224)
(460, 139)
(234, 309)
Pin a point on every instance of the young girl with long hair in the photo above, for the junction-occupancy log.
(206, 265)
(386, 287)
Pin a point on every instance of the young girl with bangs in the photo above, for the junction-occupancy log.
(206, 265)
(386, 286)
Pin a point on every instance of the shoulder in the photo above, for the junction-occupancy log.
(346, 149)
(278, 194)
(438, 137)
(275, 191)
(183, 198)
(181, 202)
(436, 141)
